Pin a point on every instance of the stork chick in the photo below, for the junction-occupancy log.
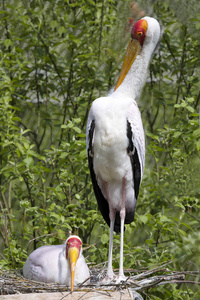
(62, 264)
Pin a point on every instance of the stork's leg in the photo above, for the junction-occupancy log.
(110, 274)
(122, 217)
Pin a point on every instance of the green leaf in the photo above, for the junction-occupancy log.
(196, 133)
(157, 148)
(187, 225)
(190, 108)
(77, 196)
(61, 30)
(56, 216)
(104, 238)
(16, 119)
(164, 219)
(177, 134)
(180, 205)
(152, 136)
(29, 162)
(8, 43)
(54, 24)
(35, 154)
(19, 146)
(183, 233)
(64, 126)
(143, 218)
(76, 129)
(83, 154)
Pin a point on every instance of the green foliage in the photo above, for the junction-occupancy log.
(56, 57)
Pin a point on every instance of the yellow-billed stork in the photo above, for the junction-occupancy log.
(62, 264)
(115, 138)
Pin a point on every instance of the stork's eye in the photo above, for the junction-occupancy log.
(139, 33)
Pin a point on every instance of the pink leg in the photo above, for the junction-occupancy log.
(110, 274)
(122, 216)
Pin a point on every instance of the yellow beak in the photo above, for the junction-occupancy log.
(73, 255)
(132, 51)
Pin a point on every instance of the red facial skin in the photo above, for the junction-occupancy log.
(139, 30)
(73, 242)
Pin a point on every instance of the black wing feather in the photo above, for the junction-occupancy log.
(132, 151)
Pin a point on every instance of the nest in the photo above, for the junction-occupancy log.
(13, 282)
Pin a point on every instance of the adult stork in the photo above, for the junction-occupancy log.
(115, 138)
(62, 264)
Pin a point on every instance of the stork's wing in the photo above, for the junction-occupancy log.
(102, 202)
(136, 145)
(132, 151)
(42, 264)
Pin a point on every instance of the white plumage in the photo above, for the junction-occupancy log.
(54, 264)
(115, 137)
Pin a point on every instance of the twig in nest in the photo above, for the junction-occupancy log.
(12, 282)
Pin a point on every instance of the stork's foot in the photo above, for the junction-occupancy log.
(121, 278)
(113, 278)
(109, 278)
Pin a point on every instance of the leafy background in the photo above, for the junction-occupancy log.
(56, 57)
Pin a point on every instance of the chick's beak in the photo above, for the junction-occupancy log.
(73, 255)
(132, 51)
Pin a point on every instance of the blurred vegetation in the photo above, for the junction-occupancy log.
(56, 57)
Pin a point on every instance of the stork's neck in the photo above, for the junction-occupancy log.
(136, 76)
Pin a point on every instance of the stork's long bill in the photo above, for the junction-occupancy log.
(135, 45)
(73, 248)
